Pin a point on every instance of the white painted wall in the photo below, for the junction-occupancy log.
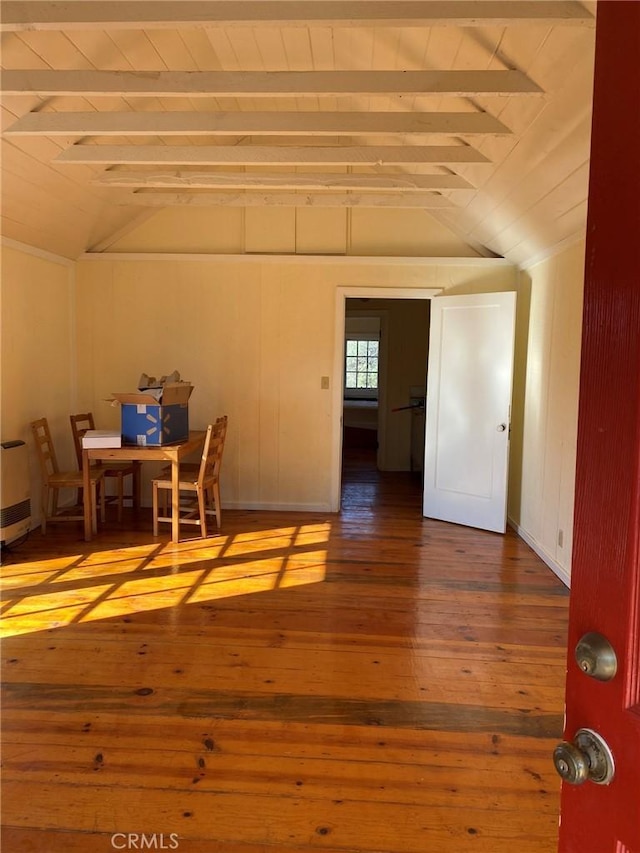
(255, 335)
(546, 406)
(38, 355)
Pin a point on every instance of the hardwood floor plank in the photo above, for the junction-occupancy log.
(251, 737)
(319, 779)
(351, 825)
(368, 682)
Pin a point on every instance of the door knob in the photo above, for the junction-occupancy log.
(501, 427)
(588, 757)
(596, 657)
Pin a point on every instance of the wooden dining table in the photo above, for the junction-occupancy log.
(171, 453)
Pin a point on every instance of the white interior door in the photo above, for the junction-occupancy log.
(468, 409)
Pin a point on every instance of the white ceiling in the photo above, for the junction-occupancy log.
(477, 111)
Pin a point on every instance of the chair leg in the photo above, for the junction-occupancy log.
(94, 507)
(54, 502)
(203, 513)
(216, 500)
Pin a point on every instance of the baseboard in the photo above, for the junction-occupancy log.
(555, 567)
(276, 507)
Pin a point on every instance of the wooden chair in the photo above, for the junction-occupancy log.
(200, 480)
(112, 470)
(53, 479)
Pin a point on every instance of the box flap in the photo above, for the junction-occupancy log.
(176, 392)
(172, 394)
(135, 397)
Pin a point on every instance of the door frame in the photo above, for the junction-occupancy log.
(342, 294)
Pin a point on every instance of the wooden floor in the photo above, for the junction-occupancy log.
(369, 682)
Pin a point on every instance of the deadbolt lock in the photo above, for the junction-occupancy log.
(588, 757)
(596, 657)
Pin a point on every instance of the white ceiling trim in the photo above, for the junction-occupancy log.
(18, 15)
(42, 254)
(286, 123)
(260, 155)
(281, 181)
(425, 201)
(254, 84)
(256, 257)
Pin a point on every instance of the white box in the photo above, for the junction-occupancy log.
(102, 438)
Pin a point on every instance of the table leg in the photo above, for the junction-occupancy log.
(136, 485)
(86, 496)
(175, 500)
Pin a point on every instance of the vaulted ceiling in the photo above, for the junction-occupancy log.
(477, 111)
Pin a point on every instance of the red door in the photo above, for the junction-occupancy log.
(605, 594)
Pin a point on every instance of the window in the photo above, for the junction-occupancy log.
(361, 364)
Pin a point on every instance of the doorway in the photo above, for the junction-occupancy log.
(382, 433)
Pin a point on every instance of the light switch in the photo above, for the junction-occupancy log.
(324, 383)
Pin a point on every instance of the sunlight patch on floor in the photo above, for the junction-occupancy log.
(84, 588)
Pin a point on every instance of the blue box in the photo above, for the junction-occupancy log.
(154, 425)
(148, 421)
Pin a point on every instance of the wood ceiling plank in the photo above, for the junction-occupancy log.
(544, 208)
(565, 147)
(54, 49)
(136, 14)
(247, 56)
(99, 50)
(199, 46)
(62, 183)
(16, 53)
(202, 155)
(534, 235)
(297, 47)
(138, 49)
(170, 44)
(322, 44)
(254, 84)
(284, 199)
(252, 123)
(281, 181)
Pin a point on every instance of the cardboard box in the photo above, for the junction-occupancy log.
(102, 438)
(147, 422)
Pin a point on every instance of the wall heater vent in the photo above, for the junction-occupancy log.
(15, 500)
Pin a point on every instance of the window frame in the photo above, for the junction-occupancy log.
(359, 391)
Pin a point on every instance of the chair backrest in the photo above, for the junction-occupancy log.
(44, 447)
(213, 448)
(79, 425)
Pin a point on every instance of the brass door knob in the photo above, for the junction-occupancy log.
(587, 758)
(571, 764)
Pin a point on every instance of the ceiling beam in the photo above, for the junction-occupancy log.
(254, 155)
(423, 200)
(254, 84)
(21, 15)
(390, 182)
(287, 123)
